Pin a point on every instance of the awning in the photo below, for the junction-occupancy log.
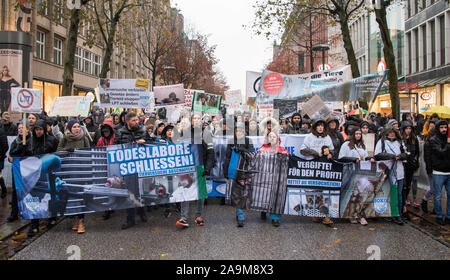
(433, 82)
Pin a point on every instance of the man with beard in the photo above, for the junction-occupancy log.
(312, 149)
(295, 126)
(131, 132)
(440, 151)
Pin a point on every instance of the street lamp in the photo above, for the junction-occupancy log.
(323, 48)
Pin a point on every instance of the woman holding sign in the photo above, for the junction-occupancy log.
(272, 145)
(75, 138)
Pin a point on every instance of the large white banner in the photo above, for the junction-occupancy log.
(253, 79)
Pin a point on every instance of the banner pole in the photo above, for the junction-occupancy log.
(24, 129)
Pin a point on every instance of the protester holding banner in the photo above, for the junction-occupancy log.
(411, 144)
(237, 147)
(335, 135)
(440, 151)
(17, 150)
(272, 144)
(313, 147)
(131, 132)
(202, 139)
(295, 126)
(75, 138)
(390, 147)
(40, 143)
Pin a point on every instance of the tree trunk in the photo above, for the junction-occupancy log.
(389, 57)
(348, 45)
(69, 58)
(108, 52)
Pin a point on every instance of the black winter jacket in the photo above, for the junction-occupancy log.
(440, 151)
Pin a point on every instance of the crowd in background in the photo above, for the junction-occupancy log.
(331, 139)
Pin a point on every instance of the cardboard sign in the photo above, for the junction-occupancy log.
(26, 100)
(70, 106)
(316, 108)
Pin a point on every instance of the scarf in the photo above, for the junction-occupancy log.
(74, 137)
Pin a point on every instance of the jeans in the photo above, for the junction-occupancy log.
(399, 195)
(185, 209)
(438, 182)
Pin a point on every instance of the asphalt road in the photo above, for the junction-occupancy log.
(220, 239)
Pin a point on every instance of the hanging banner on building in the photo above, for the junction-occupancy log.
(26, 100)
(11, 69)
(122, 93)
(70, 106)
(169, 95)
(83, 181)
(206, 102)
(371, 192)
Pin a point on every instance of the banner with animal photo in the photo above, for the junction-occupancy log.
(371, 191)
(206, 102)
(112, 178)
(169, 95)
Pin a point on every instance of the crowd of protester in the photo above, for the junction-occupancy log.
(395, 140)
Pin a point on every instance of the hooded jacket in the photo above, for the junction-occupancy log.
(387, 149)
(335, 136)
(294, 128)
(263, 126)
(267, 147)
(106, 141)
(42, 145)
(440, 150)
(411, 148)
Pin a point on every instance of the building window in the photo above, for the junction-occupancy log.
(416, 43)
(87, 62)
(433, 43)
(409, 67)
(424, 46)
(57, 52)
(124, 72)
(442, 31)
(116, 75)
(58, 11)
(97, 65)
(301, 62)
(42, 7)
(78, 59)
(40, 45)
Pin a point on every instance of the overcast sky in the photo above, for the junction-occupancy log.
(238, 49)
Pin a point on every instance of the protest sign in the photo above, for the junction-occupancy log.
(233, 99)
(369, 142)
(206, 102)
(265, 110)
(316, 108)
(25, 100)
(100, 179)
(189, 96)
(169, 95)
(286, 108)
(70, 106)
(122, 93)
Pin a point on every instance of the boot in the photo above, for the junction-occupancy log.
(75, 224)
(128, 224)
(424, 206)
(398, 220)
(107, 215)
(4, 190)
(81, 227)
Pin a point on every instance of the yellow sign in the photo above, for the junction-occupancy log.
(142, 83)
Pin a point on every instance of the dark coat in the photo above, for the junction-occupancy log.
(10, 129)
(125, 135)
(238, 148)
(440, 151)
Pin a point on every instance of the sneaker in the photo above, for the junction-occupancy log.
(51, 222)
(327, 221)
(276, 223)
(182, 223)
(440, 221)
(398, 220)
(81, 227)
(75, 224)
(128, 224)
(353, 221)
(240, 223)
(416, 204)
(199, 221)
(424, 206)
(408, 202)
(363, 222)
(263, 216)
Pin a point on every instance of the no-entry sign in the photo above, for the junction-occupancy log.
(26, 100)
